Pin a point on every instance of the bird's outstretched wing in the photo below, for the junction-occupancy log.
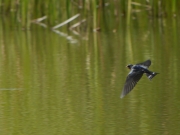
(146, 64)
(131, 81)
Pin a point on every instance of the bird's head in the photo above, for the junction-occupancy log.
(129, 66)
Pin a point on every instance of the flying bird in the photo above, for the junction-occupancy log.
(135, 74)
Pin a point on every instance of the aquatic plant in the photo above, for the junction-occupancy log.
(24, 12)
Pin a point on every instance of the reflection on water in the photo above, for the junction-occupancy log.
(50, 86)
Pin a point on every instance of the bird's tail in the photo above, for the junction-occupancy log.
(150, 76)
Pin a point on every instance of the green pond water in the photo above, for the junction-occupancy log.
(59, 85)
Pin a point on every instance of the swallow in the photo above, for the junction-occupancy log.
(135, 74)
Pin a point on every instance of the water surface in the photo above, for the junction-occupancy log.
(50, 85)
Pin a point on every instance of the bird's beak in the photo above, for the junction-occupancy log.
(127, 67)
